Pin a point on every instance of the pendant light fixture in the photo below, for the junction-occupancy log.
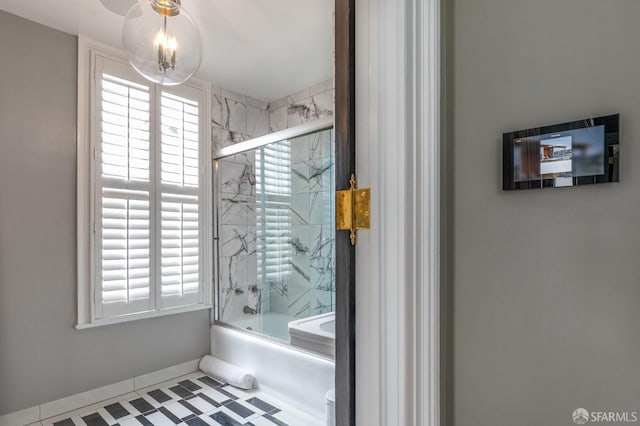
(162, 41)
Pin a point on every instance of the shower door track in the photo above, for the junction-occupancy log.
(290, 133)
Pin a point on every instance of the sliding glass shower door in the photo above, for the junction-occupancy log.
(275, 218)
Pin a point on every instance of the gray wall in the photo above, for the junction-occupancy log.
(546, 283)
(42, 356)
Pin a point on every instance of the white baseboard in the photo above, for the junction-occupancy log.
(74, 402)
(165, 374)
(79, 400)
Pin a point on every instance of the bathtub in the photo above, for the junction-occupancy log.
(294, 376)
(316, 334)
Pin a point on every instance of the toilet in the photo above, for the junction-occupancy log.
(330, 410)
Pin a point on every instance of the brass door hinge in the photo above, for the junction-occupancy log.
(353, 209)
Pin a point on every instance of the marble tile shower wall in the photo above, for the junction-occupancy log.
(237, 267)
(307, 105)
(237, 118)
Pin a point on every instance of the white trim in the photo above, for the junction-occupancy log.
(82, 178)
(143, 315)
(370, 395)
(94, 396)
(206, 165)
(425, 294)
(84, 183)
(79, 400)
(85, 179)
(165, 374)
(398, 118)
(380, 254)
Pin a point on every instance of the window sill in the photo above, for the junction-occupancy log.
(142, 315)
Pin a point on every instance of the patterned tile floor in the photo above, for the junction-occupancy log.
(193, 400)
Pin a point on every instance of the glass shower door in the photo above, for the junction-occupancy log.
(276, 234)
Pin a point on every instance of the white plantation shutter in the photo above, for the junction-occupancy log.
(125, 248)
(148, 228)
(180, 269)
(180, 220)
(125, 129)
(123, 204)
(180, 136)
(273, 189)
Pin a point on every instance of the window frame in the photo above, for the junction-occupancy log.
(87, 196)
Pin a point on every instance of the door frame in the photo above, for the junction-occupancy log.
(345, 165)
(399, 155)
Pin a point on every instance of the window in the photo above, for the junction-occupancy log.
(146, 229)
(273, 190)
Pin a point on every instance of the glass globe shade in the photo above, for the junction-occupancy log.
(164, 49)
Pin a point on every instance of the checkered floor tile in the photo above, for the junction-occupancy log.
(192, 400)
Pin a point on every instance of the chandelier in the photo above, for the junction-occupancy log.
(162, 41)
